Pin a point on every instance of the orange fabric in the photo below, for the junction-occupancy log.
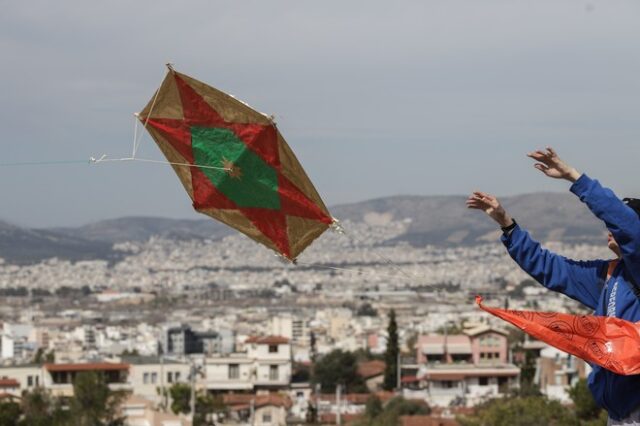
(612, 343)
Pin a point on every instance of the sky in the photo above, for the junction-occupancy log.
(377, 98)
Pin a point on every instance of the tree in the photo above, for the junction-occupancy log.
(41, 409)
(43, 356)
(528, 371)
(585, 406)
(9, 412)
(338, 367)
(206, 405)
(366, 310)
(391, 354)
(373, 408)
(180, 398)
(376, 415)
(529, 411)
(364, 355)
(93, 403)
(312, 414)
(313, 350)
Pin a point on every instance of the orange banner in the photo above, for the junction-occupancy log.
(612, 343)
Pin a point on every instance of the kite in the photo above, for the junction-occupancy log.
(609, 342)
(235, 165)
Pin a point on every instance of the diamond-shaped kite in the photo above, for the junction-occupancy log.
(235, 165)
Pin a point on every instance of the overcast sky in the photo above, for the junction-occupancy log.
(376, 98)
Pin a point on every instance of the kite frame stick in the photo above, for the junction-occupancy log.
(137, 140)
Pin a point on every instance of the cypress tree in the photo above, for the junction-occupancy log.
(391, 354)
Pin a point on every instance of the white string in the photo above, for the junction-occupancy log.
(137, 140)
(350, 270)
(340, 230)
(104, 159)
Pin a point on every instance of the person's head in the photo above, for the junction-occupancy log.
(634, 204)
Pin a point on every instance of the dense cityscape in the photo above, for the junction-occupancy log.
(226, 329)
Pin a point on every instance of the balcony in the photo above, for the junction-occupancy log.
(228, 384)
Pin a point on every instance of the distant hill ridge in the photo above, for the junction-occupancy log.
(435, 220)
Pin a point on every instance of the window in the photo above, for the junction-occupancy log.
(273, 372)
(234, 371)
(37, 380)
(29, 381)
(266, 417)
(176, 376)
(145, 378)
(483, 381)
(169, 377)
(154, 378)
(273, 349)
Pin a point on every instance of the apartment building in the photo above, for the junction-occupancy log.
(265, 365)
(464, 369)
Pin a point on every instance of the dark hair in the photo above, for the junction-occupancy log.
(634, 203)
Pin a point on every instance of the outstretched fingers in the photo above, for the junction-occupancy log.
(541, 156)
(551, 152)
(542, 167)
(481, 200)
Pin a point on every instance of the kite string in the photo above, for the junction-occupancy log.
(337, 227)
(340, 230)
(42, 163)
(104, 159)
(138, 136)
(351, 270)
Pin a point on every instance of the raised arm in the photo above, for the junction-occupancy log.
(622, 221)
(580, 280)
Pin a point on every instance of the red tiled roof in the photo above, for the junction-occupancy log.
(242, 401)
(9, 383)
(423, 420)
(370, 369)
(268, 340)
(90, 366)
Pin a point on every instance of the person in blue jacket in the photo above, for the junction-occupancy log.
(609, 287)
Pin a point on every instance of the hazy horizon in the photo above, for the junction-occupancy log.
(194, 215)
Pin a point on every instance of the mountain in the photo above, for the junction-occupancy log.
(20, 245)
(445, 220)
(435, 220)
(139, 228)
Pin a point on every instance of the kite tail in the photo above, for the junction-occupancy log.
(611, 343)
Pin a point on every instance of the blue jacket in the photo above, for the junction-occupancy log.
(585, 282)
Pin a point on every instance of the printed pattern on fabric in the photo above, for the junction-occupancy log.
(606, 341)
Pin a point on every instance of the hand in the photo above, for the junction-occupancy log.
(491, 206)
(551, 165)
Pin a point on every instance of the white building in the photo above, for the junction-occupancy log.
(266, 364)
(294, 328)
